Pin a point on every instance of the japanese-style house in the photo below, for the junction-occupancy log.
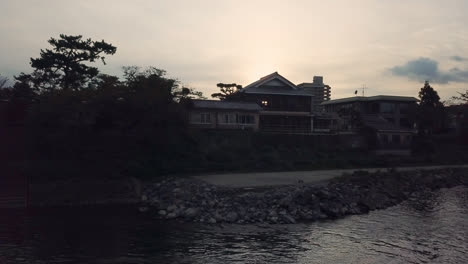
(289, 108)
(272, 104)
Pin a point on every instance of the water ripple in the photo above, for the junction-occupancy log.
(433, 229)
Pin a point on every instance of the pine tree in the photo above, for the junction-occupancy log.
(431, 114)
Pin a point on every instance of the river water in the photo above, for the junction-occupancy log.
(431, 229)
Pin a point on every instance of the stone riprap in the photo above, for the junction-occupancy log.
(192, 200)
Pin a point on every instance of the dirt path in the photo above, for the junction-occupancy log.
(264, 179)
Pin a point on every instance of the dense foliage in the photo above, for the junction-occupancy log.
(227, 91)
(431, 115)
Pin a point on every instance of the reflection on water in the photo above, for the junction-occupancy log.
(431, 230)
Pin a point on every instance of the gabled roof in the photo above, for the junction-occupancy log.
(226, 105)
(289, 88)
(268, 78)
(371, 98)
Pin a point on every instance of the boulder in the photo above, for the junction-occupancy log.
(286, 218)
(191, 212)
(171, 215)
(231, 217)
(171, 208)
(162, 212)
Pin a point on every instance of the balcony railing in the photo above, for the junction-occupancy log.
(285, 129)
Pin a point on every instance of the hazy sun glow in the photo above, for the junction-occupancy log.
(206, 42)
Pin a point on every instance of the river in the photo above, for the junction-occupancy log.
(432, 229)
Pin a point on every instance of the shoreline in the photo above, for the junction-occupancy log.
(193, 200)
(188, 199)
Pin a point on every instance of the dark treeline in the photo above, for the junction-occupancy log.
(78, 121)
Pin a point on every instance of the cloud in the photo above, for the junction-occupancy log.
(458, 58)
(425, 69)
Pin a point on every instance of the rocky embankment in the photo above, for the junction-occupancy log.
(357, 193)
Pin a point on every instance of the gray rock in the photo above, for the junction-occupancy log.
(231, 217)
(273, 219)
(217, 215)
(162, 212)
(171, 208)
(171, 215)
(191, 212)
(288, 219)
(143, 209)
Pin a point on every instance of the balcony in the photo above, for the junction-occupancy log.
(285, 129)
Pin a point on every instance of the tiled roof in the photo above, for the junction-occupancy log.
(270, 77)
(290, 88)
(226, 105)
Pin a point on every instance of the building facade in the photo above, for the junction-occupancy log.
(321, 92)
(388, 117)
(287, 108)
(211, 114)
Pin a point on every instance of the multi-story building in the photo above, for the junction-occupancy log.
(272, 104)
(390, 117)
(320, 91)
(288, 108)
(395, 109)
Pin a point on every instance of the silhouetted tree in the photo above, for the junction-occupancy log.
(463, 97)
(5, 92)
(429, 97)
(227, 91)
(3, 82)
(431, 114)
(66, 65)
(19, 92)
(182, 94)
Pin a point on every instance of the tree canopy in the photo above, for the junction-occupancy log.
(463, 97)
(3, 82)
(66, 65)
(227, 91)
(431, 115)
(429, 97)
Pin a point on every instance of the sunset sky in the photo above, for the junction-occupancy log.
(391, 47)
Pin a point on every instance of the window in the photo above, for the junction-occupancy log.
(404, 108)
(404, 122)
(387, 108)
(384, 138)
(391, 120)
(264, 102)
(205, 118)
(245, 119)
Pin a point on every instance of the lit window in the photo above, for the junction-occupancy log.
(265, 103)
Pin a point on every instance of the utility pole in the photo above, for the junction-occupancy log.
(363, 89)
